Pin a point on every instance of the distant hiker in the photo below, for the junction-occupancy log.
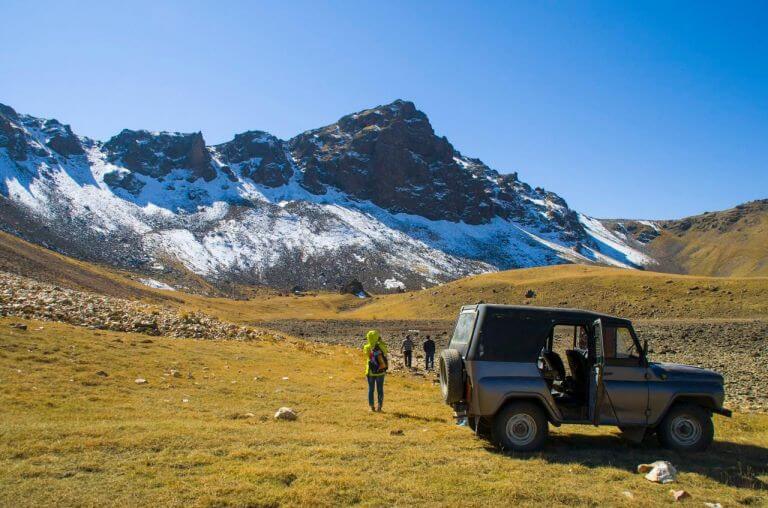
(429, 353)
(406, 348)
(376, 367)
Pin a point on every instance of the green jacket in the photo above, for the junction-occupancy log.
(373, 339)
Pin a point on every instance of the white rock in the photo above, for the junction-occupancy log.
(140, 381)
(285, 413)
(660, 471)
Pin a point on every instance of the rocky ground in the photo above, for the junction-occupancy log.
(736, 348)
(27, 298)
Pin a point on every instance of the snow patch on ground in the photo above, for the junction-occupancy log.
(157, 284)
(611, 249)
(394, 284)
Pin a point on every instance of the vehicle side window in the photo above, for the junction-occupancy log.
(620, 346)
(512, 337)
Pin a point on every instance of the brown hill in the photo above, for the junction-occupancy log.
(731, 242)
(630, 293)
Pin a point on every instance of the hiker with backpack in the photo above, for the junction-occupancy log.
(376, 367)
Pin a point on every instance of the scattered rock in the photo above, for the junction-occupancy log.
(102, 373)
(174, 373)
(530, 293)
(398, 432)
(285, 413)
(26, 298)
(628, 494)
(679, 495)
(140, 381)
(19, 326)
(713, 505)
(660, 471)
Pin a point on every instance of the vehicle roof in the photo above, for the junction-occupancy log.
(558, 312)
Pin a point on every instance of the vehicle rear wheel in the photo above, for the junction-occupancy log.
(451, 375)
(520, 426)
(686, 428)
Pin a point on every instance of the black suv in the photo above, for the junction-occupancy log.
(505, 370)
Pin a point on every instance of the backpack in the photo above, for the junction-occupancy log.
(377, 361)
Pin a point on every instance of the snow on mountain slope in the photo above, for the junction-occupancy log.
(377, 196)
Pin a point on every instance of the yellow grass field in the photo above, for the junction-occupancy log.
(69, 436)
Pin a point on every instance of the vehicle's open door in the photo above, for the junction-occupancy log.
(598, 390)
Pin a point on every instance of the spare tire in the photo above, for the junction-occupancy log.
(451, 375)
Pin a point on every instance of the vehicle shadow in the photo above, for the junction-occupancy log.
(733, 464)
(398, 414)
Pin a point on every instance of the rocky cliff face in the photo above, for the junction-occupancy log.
(376, 196)
(258, 156)
(157, 154)
(391, 156)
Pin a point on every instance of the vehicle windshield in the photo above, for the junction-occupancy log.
(463, 332)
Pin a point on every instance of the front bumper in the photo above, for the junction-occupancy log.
(723, 411)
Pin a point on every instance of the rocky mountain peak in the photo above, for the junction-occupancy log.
(156, 154)
(391, 156)
(22, 134)
(257, 155)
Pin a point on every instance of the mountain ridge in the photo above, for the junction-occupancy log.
(375, 196)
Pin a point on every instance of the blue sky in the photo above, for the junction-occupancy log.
(626, 109)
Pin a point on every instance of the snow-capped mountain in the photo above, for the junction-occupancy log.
(375, 196)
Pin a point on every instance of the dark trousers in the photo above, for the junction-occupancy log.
(378, 382)
(408, 355)
(429, 361)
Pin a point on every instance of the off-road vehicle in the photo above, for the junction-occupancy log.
(503, 371)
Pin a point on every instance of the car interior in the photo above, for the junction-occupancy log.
(569, 386)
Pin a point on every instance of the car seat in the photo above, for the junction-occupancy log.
(577, 361)
(554, 364)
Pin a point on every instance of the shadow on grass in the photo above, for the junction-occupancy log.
(398, 414)
(733, 464)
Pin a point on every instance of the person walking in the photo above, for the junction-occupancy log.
(429, 353)
(406, 349)
(376, 367)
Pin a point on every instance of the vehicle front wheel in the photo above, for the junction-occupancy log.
(686, 428)
(520, 426)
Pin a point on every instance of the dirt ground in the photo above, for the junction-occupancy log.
(736, 348)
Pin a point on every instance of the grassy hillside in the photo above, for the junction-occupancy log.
(612, 290)
(69, 436)
(727, 243)
(24, 258)
(626, 292)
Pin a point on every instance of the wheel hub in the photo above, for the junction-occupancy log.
(521, 429)
(686, 430)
